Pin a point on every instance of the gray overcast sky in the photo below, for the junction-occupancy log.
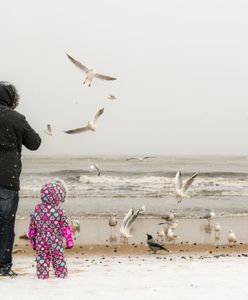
(182, 69)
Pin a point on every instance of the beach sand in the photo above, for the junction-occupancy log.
(197, 266)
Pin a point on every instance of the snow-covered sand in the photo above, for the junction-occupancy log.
(143, 277)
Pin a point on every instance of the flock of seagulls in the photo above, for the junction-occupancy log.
(180, 186)
(164, 234)
(90, 74)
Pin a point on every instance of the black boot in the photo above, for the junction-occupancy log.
(6, 271)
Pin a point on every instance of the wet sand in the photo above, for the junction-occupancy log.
(96, 231)
(205, 250)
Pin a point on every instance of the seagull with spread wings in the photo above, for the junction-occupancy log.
(94, 167)
(90, 127)
(90, 73)
(181, 188)
(140, 158)
(128, 220)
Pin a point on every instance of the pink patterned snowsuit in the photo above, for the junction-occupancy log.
(47, 230)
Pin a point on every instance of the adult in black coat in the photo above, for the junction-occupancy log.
(14, 132)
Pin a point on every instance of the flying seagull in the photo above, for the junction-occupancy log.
(154, 246)
(90, 127)
(112, 97)
(94, 167)
(90, 73)
(169, 217)
(181, 188)
(209, 216)
(48, 130)
(140, 158)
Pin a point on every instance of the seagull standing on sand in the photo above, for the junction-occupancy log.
(217, 229)
(128, 221)
(112, 222)
(48, 131)
(181, 188)
(91, 124)
(154, 246)
(231, 237)
(171, 235)
(90, 73)
(161, 234)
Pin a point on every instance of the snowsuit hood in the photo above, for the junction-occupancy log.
(53, 193)
(8, 95)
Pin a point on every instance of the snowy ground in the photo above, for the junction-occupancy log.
(145, 277)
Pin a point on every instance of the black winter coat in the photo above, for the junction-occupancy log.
(14, 132)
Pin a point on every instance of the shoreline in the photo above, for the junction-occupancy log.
(96, 231)
(108, 250)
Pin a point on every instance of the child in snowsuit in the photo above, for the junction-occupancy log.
(47, 230)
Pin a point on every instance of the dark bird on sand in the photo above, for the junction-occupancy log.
(153, 245)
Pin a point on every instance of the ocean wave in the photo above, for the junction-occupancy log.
(144, 185)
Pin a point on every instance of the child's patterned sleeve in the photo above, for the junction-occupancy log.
(32, 231)
(67, 231)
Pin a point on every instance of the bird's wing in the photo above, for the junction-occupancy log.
(134, 216)
(128, 215)
(152, 243)
(189, 182)
(100, 76)
(131, 158)
(97, 115)
(78, 130)
(178, 180)
(77, 63)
